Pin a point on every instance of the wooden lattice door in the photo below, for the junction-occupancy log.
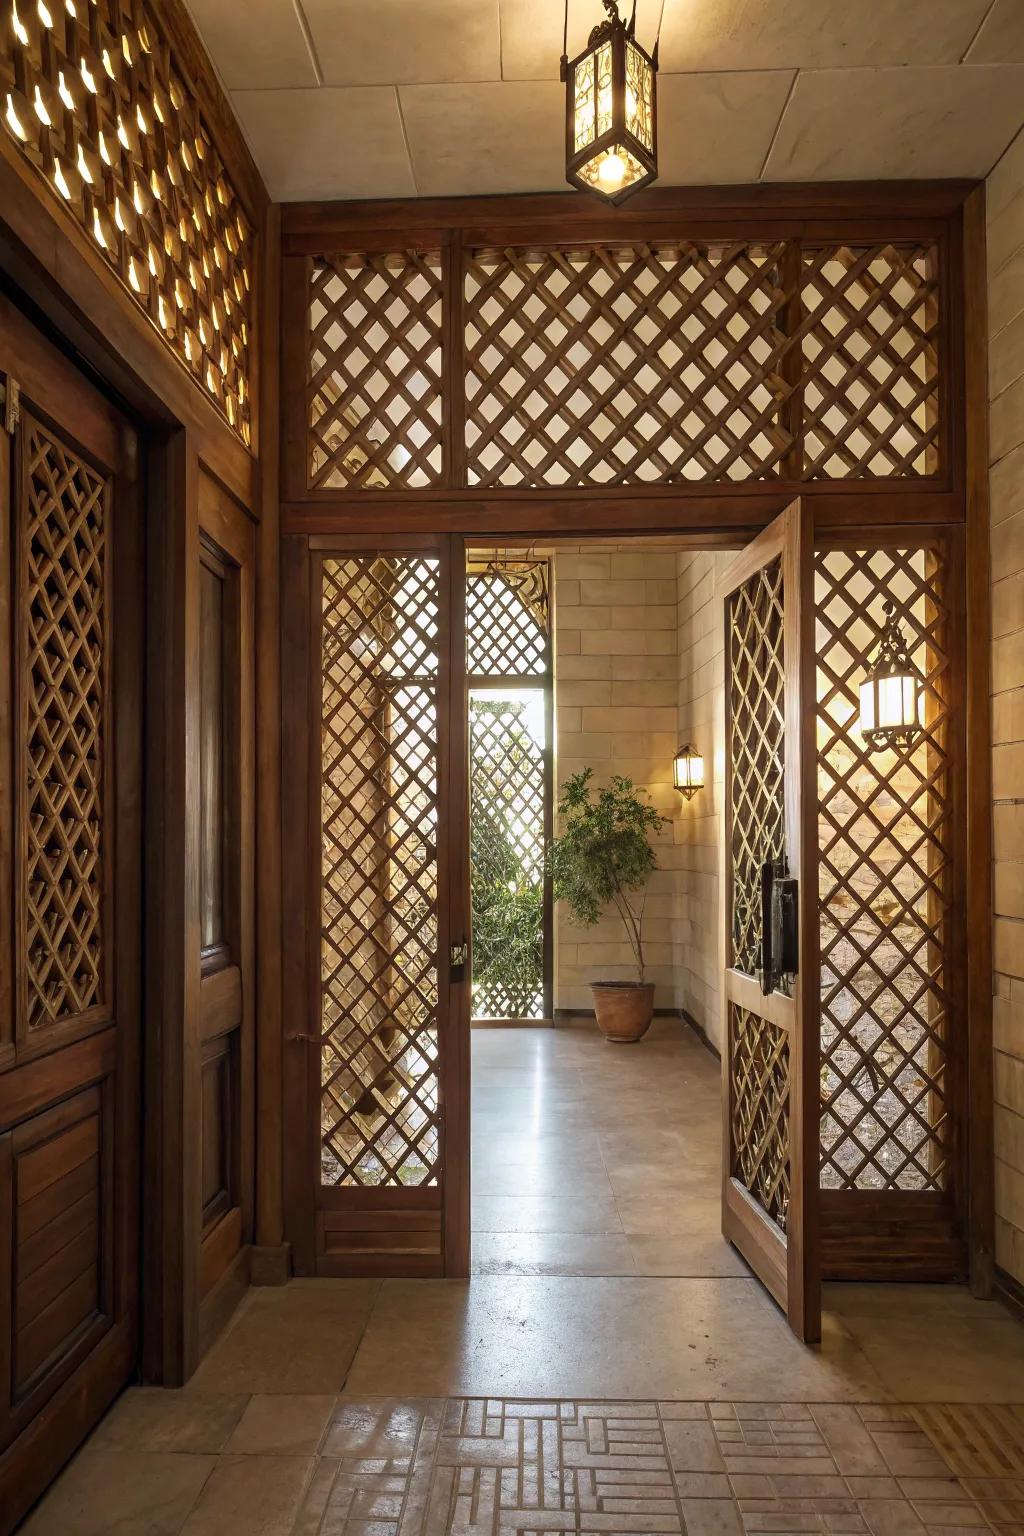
(379, 1173)
(770, 1060)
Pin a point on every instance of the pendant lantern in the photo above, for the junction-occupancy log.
(611, 116)
(891, 693)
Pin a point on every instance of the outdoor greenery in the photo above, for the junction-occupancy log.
(508, 917)
(604, 853)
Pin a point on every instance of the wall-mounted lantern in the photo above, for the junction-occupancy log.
(688, 771)
(891, 693)
(611, 110)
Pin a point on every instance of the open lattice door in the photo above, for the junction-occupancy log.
(771, 1052)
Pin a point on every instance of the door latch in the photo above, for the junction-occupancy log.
(458, 957)
(780, 928)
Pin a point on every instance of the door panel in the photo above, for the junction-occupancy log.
(71, 627)
(377, 1032)
(769, 1206)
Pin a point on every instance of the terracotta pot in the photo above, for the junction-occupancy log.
(624, 1009)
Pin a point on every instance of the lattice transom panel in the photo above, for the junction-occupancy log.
(870, 362)
(759, 1109)
(885, 841)
(508, 789)
(62, 538)
(507, 619)
(374, 387)
(379, 963)
(757, 750)
(94, 97)
(611, 366)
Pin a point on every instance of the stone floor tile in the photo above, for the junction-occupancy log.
(282, 1424)
(161, 1419)
(132, 1493)
(388, 1428)
(257, 1495)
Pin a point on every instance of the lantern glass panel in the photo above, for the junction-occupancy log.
(584, 103)
(605, 102)
(639, 97)
(689, 771)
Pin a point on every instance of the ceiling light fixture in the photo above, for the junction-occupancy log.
(611, 109)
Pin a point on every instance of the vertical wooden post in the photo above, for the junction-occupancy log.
(270, 1257)
(981, 1233)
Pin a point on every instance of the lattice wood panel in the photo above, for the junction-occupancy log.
(507, 623)
(374, 388)
(757, 750)
(759, 1108)
(379, 962)
(870, 375)
(95, 98)
(508, 791)
(885, 840)
(62, 540)
(621, 365)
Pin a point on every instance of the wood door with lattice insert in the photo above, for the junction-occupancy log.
(770, 1114)
(379, 1175)
(70, 969)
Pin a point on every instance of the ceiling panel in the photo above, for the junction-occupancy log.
(1001, 38)
(821, 34)
(846, 124)
(718, 128)
(499, 137)
(532, 32)
(405, 41)
(327, 143)
(257, 45)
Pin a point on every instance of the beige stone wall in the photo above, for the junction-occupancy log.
(616, 680)
(1005, 198)
(698, 829)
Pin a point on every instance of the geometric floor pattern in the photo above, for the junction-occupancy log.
(492, 1467)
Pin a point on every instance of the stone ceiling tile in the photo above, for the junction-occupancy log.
(532, 32)
(1001, 38)
(816, 34)
(327, 143)
(399, 42)
(718, 128)
(258, 45)
(850, 124)
(497, 137)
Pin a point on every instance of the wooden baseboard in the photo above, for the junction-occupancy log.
(1009, 1291)
(702, 1035)
(270, 1266)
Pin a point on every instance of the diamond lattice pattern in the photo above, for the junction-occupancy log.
(374, 390)
(63, 537)
(99, 101)
(870, 361)
(757, 750)
(507, 620)
(625, 365)
(508, 779)
(379, 966)
(885, 836)
(759, 1065)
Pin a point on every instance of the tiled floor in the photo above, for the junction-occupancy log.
(591, 1159)
(637, 1401)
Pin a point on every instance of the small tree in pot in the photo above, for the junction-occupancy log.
(604, 857)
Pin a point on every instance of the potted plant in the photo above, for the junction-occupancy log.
(603, 857)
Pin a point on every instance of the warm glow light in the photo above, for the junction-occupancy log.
(688, 771)
(891, 693)
(612, 171)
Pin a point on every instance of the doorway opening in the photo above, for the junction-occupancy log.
(591, 1159)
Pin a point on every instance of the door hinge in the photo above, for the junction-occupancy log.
(458, 955)
(10, 399)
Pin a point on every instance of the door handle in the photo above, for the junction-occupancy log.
(458, 958)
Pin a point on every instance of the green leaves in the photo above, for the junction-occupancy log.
(604, 852)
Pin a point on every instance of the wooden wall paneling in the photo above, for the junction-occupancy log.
(979, 903)
(227, 986)
(300, 925)
(270, 1256)
(454, 875)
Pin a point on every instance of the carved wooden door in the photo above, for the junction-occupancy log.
(377, 1077)
(770, 1060)
(70, 723)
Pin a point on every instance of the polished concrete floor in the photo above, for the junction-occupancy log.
(633, 1402)
(597, 1159)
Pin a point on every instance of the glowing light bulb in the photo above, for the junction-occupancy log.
(612, 171)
